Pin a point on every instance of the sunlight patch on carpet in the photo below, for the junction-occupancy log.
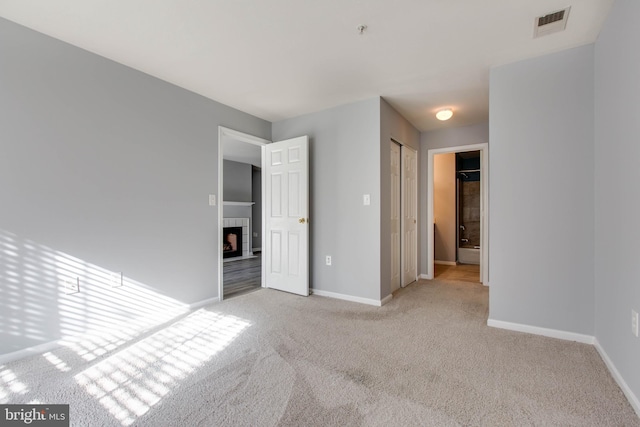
(9, 383)
(129, 383)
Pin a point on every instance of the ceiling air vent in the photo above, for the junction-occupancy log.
(551, 23)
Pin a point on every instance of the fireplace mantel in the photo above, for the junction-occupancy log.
(238, 203)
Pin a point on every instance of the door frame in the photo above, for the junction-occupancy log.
(484, 206)
(230, 135)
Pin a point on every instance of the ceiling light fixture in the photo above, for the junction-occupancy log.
(444, 114)
(362, 29)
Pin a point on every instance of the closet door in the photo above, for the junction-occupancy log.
(409, 216)
(395, 216)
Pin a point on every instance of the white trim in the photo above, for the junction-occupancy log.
(423, 276)
(484, 205)
(551, 333)
(238, 203)
(386, 299)
(377, 303)
(234, 135)
(631, 397)
(203, 303)
(445, 262)
(29, 351)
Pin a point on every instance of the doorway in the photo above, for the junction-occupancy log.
(240, 213)
(482, 249)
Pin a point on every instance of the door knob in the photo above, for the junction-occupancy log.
(301, 220)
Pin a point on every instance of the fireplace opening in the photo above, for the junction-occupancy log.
(231, 242)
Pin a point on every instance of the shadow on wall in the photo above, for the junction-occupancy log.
(48, 295)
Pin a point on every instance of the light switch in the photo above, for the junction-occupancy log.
(212, 199)
(366, 199)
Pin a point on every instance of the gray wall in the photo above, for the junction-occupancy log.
(237, 181)
(443, 138)
(617, 106)
(541, 192)
(392, 126)
(344, 165)
(103, 168)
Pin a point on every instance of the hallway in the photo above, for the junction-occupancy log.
(460, 272)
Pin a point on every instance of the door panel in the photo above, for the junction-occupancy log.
(409, 216)
(395, 216)
(287, 205)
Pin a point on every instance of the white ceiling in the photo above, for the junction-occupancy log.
(278, 59)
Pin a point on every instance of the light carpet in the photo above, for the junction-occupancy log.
(269, 358)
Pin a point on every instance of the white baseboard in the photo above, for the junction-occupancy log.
(552, 333)
(386, 299)
(424, 276)
(203, 303)
(29, 351)
(631, 397)
(445, 262)
(377, 303)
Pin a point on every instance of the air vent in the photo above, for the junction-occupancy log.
(551, 23)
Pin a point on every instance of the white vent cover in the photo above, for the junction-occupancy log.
(551, 23)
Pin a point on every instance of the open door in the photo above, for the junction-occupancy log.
(286, 231)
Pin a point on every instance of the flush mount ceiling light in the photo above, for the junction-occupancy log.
(444, 114)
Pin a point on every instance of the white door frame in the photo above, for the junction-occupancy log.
(484, 206)
(230, 135)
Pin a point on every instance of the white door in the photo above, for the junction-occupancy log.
(395, 216)
(286, 166)
(409, 216)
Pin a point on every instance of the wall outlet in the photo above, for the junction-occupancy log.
(366, 199)
(117, 280)
(634, 323)
(212, 199)
(328, 260)
(72, 285)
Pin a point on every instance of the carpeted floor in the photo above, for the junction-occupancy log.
(268, 358)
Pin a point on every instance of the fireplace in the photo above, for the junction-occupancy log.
(231, 242)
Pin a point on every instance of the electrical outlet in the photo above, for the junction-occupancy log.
(212, 199)
(634, 323)
(366, 199)
(72, 285)
(328, 260)
(117, 280)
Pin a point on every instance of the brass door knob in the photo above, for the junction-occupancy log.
(301, 221)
